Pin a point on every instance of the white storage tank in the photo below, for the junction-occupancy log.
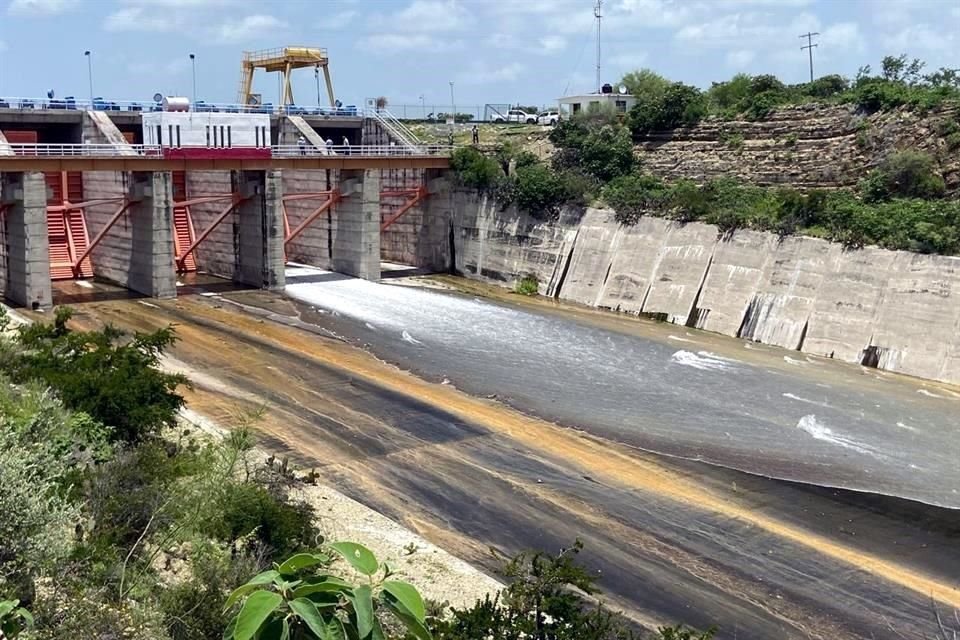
(176, 103)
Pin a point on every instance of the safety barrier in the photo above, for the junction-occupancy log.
(279, 151)
(200, 106)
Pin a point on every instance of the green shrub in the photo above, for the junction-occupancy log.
(527, 285)
(114, 378)
(827, 86)
(791, 140)
(906, 174)
(538, 191)
(474, 169)
(607, 153)
(630, 196)
(249, 511)
(679, 105)
(953, 141)
(13, 619)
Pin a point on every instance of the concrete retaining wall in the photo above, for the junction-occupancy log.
(896, 310)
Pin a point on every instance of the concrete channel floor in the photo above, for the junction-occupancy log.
(672, 540)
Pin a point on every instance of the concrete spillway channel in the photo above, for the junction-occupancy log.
(672, 539)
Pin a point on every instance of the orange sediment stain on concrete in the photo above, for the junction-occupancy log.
(613, 463)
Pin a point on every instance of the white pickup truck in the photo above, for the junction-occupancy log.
(516, 115)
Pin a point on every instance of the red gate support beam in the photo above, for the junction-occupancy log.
(71, 206)
(100, 236)
(235, 200)
(333, 198)
(418, 195)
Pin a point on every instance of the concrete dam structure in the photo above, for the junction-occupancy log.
(894, 310)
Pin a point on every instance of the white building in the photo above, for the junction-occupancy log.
(606, 98)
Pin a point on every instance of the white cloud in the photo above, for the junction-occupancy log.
(480, 73)
(398, 42)
(337, 20)
(139, 19)
(920, 37)
(759, 29)
(248, 27)
(425, 16)
(552, 44)
(740, 58)
(843, 36)
(41, 7)
(628, 60)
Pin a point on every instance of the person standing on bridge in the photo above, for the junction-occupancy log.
(302, 143)
(476, 134)
(346, 145)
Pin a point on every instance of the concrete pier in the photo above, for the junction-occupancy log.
(259, 237)
(27, 269)
(356, 241)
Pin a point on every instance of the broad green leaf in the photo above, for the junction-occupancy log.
(7, 606)
(407, 595)
(301, 561)
(228, 632)
(359, 557)
(362, 600)
(410, 621)
(317, 587)
(26, 615)
(276, 629)
(377, 631)
(258, 607)
(254, 582)
(308, 612)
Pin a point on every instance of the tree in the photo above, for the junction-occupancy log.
(604, 154)
(680, 105)
(645, 82)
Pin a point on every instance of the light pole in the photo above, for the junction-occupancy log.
(423, 108)
(90, 75)
(316, 74)
(193, 66)
(453, 103)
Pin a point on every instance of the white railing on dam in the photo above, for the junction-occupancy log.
(279, 151)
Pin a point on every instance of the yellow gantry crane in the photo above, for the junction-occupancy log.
(284, 60)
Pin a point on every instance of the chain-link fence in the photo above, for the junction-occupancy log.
(428, 112)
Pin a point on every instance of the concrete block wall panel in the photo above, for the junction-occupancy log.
(598, 238)
(259, 229)
(400, 242)
(916, 328)
(356, 241)
(633, 265)
(781, 309)
(736, 269)
(216, 253)
(152, 268)
(27, 281)
(435, 237)
(504, 246)
(314, 246)
(681, 267)
(5, 148)
(846, 309)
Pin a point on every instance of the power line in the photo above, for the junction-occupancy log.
(809, 47)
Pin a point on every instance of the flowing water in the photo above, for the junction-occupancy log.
(765, 411)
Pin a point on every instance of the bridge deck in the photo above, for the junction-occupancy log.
(141, 163)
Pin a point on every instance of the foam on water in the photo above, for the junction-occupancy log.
(929, 393)
(793, 361)
(409, 338)
(704, 360)
(906, 426)
(808, 401)
(821, 432)
(678, 338)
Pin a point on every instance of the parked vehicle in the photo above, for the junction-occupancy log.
(549, 117)
(516, 115)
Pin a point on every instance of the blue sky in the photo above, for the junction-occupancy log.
(496, 51)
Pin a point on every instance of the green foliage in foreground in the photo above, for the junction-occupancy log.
(527, 285)
(112, 377)
(13, 619)
(301, 598)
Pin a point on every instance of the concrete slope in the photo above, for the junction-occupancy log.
(5, 148)
(99, 129)
(670, 541)
(301, 128)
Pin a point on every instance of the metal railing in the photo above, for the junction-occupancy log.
(290, 151)
(200, 106)
(398, 131)
(73, 150)
(279, 151)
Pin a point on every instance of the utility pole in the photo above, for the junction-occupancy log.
(316, 75)
(90, 76)
(598, 15)
(809, 47)
(193, 71)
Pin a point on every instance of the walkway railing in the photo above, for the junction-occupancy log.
(394, 127)
(74, 150)
(279, 151)
(100, 104)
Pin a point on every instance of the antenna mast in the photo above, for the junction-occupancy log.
(598, 15)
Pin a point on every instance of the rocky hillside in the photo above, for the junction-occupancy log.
(811, 146)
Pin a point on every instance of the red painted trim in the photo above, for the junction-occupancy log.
(205, 153)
